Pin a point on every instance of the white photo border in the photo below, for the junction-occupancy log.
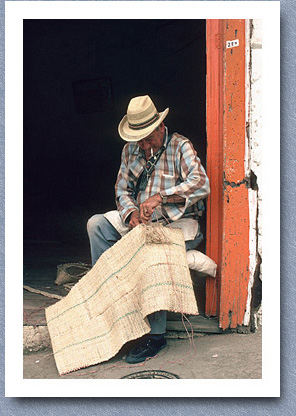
(15, 12)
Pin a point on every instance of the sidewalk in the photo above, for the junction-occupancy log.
(222, 356)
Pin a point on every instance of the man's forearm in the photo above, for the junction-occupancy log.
(176, 199)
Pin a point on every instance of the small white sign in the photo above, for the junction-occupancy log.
(232, 43)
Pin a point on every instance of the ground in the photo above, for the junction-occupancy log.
(221, 356)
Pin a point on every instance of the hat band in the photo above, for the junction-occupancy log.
(147, 123)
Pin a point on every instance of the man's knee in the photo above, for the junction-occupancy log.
(94, 223)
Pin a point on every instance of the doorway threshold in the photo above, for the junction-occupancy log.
(199, 324)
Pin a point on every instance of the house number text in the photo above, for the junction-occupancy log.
(232, 43)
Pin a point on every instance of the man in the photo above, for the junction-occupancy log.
(160, 179)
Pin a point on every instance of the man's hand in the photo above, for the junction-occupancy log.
(147, 208)
(134, 220)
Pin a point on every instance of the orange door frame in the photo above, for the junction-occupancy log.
(228, 206)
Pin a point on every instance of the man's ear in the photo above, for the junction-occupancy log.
(161, 127)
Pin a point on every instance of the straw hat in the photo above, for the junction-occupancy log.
(141, 119)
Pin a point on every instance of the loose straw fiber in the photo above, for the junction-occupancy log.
(144, 272)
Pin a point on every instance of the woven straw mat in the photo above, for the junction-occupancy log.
(144, 272)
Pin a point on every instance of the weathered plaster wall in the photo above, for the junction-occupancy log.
(256, 116)
(253, 165)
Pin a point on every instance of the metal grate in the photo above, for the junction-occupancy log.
(151, 374)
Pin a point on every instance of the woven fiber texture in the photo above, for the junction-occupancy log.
(144, 272)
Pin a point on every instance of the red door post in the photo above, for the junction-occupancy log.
(228, 205)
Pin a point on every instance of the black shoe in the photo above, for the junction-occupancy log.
(147, 348)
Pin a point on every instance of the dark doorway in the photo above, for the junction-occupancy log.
(79, 76)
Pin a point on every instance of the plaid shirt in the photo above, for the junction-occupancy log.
(178, 172)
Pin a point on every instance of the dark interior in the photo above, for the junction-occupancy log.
(79, 76)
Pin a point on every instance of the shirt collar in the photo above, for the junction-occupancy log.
(166, 136)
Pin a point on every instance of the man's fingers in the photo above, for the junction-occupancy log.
(145, 215)
(133, 224)
(145, 219)
(141, 211)
(146, 210)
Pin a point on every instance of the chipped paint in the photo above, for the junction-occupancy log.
(253, 157)
(235, 264)
(252, 193)
(253, 203)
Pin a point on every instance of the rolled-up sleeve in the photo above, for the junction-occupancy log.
(124, 191)
(194, 183)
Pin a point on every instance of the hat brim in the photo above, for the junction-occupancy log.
(130, 135)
